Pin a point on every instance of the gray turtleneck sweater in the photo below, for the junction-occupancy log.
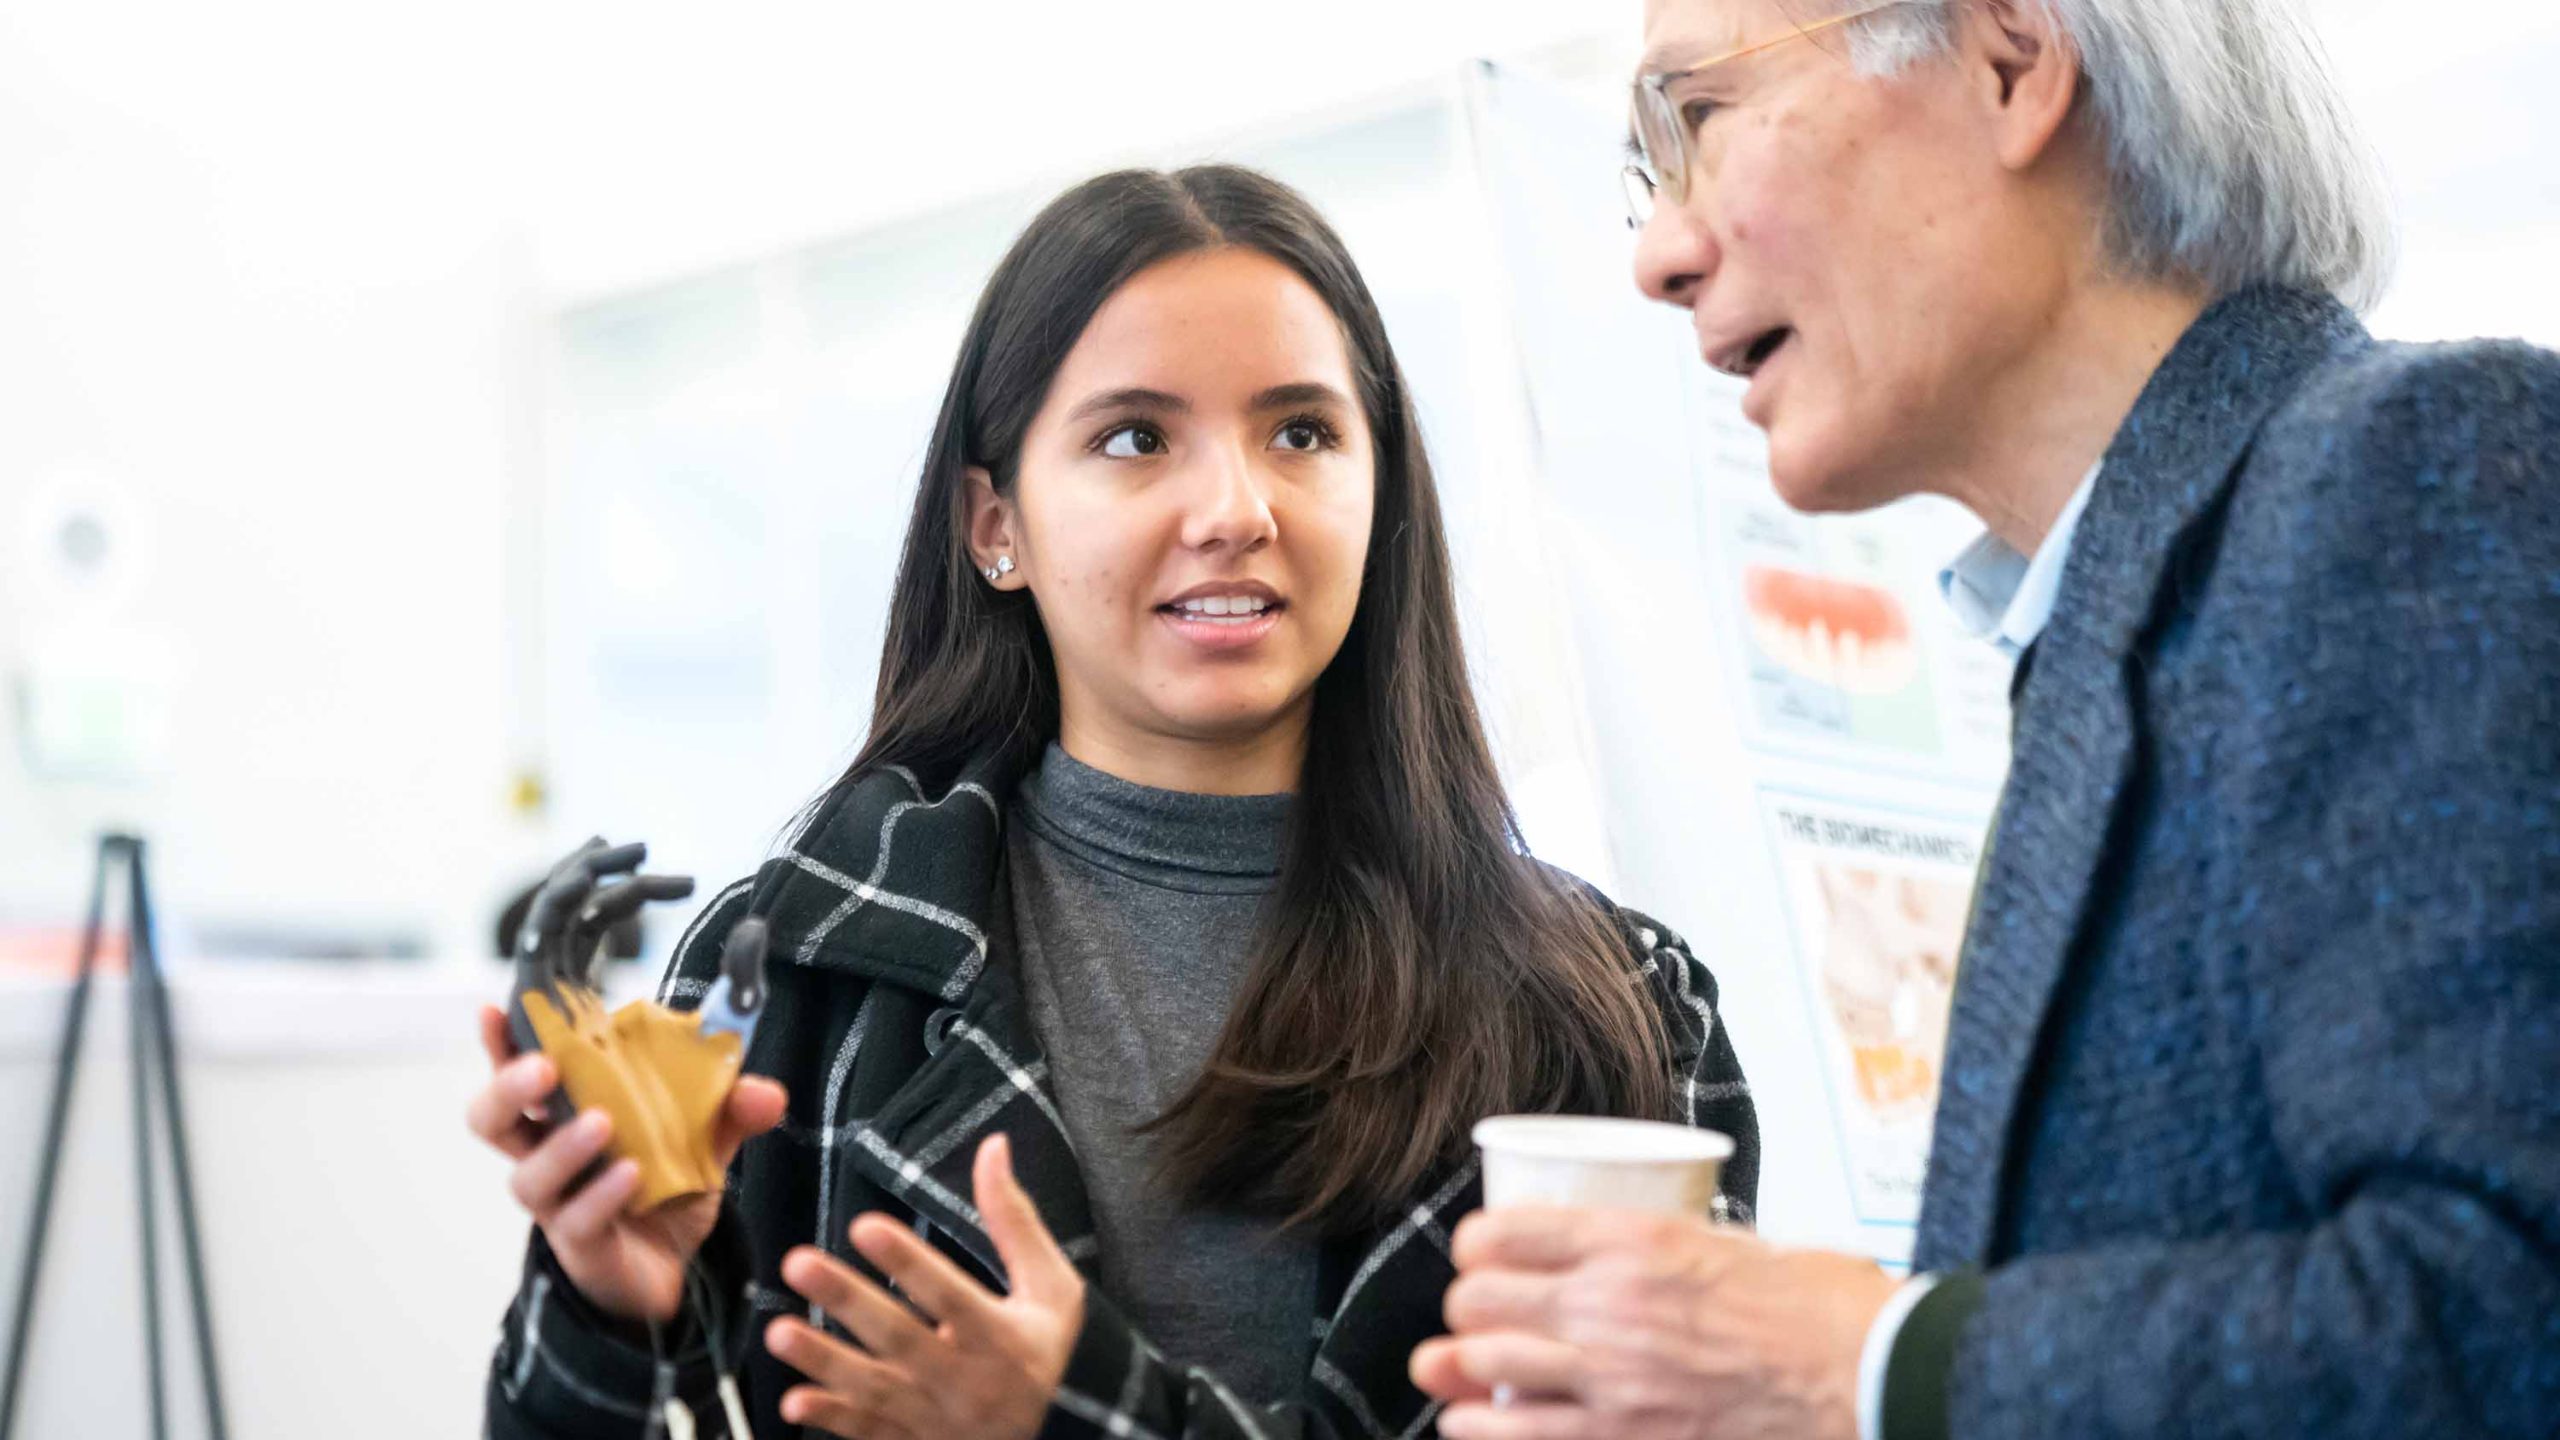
(1132, 912)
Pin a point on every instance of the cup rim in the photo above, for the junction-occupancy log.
(1601, 1139)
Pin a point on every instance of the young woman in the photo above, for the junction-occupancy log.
(1136, 988)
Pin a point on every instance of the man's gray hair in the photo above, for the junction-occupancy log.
(2231, 158)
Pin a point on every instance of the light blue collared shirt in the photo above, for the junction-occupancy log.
(2002, 598)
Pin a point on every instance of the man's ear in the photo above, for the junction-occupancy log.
(992, 541)
(2026, 70)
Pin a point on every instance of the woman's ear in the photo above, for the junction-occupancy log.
(992, 541)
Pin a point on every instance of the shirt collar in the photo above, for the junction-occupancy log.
(2003, 597)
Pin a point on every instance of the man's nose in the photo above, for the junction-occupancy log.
(1675, 252)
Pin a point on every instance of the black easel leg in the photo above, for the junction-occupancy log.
(152, 1043)
(66, 1070)
(138, 1008)
(150, 979)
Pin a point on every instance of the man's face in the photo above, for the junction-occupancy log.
(1851, 244)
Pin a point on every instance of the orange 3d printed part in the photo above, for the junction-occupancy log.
(664, 1075)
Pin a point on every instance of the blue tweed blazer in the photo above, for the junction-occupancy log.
(2252, 1101)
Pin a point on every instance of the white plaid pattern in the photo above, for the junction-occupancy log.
(1030, 1079)
(859, 893)
(1103, 1417)
(532, 1353)
(830, 1135)
(675, 986)
(1425, 1220)
(1330, 1376)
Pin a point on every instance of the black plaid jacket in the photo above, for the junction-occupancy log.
(902, 1048)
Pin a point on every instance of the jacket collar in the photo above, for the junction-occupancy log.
(2175, 454)
(2164, 476)
(892, 881)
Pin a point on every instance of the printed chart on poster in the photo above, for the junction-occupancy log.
(1844, 648)
(1876, 901)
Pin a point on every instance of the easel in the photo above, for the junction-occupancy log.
(148, 996)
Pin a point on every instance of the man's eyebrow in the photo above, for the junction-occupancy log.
(1304, 392)
(1679, 55)
(1133, 397)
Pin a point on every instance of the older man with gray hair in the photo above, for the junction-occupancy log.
(2250, 1123)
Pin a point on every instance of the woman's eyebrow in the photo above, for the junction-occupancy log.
(1135, 397)
(1304, 392)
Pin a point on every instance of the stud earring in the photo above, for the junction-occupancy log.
(999, 570)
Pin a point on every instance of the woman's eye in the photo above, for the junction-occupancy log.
(1302, 435)
(1694, 113)
(1132, 442)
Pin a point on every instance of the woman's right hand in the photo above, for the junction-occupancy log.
(630, 1266)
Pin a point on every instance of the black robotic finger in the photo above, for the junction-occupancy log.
(618, 902)
(742, 964)
(555, 906)
(586, 894)
(737, 997)
(583, 950)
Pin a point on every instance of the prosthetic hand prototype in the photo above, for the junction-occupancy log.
(664, 1075)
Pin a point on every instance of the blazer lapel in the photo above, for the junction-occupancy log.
(2072, 763)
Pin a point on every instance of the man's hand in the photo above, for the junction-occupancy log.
(1617, 1326)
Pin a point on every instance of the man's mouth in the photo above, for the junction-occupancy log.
(1744, 361)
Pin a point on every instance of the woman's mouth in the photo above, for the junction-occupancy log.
(1223, 622)
(1223, 609)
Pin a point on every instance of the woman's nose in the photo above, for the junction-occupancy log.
(1229, 505)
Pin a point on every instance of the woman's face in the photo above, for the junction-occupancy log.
(1192, 511)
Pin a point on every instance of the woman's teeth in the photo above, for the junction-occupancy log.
(1223, 609)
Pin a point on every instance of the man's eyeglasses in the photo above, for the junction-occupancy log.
(1662, 140)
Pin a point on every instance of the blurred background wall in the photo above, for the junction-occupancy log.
(429, 437)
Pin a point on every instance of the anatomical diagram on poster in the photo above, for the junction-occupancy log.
(1844, 648)
(1876, 902)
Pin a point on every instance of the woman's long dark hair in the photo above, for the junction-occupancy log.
(1415, 969)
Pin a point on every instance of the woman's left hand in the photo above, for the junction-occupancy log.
(981, 1366)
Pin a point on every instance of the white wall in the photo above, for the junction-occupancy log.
(275, 311)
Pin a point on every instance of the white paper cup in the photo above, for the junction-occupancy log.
(1599, 1163)
(1595, 1162)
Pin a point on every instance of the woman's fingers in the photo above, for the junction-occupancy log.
(1038, 1270)
(497, 1111)
(885, 1327)
(588, 1218)
(821, 1409)
(755, 1106)
(868, 1394)
(494, 1038)
(541, 1177)
(938, 1287)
